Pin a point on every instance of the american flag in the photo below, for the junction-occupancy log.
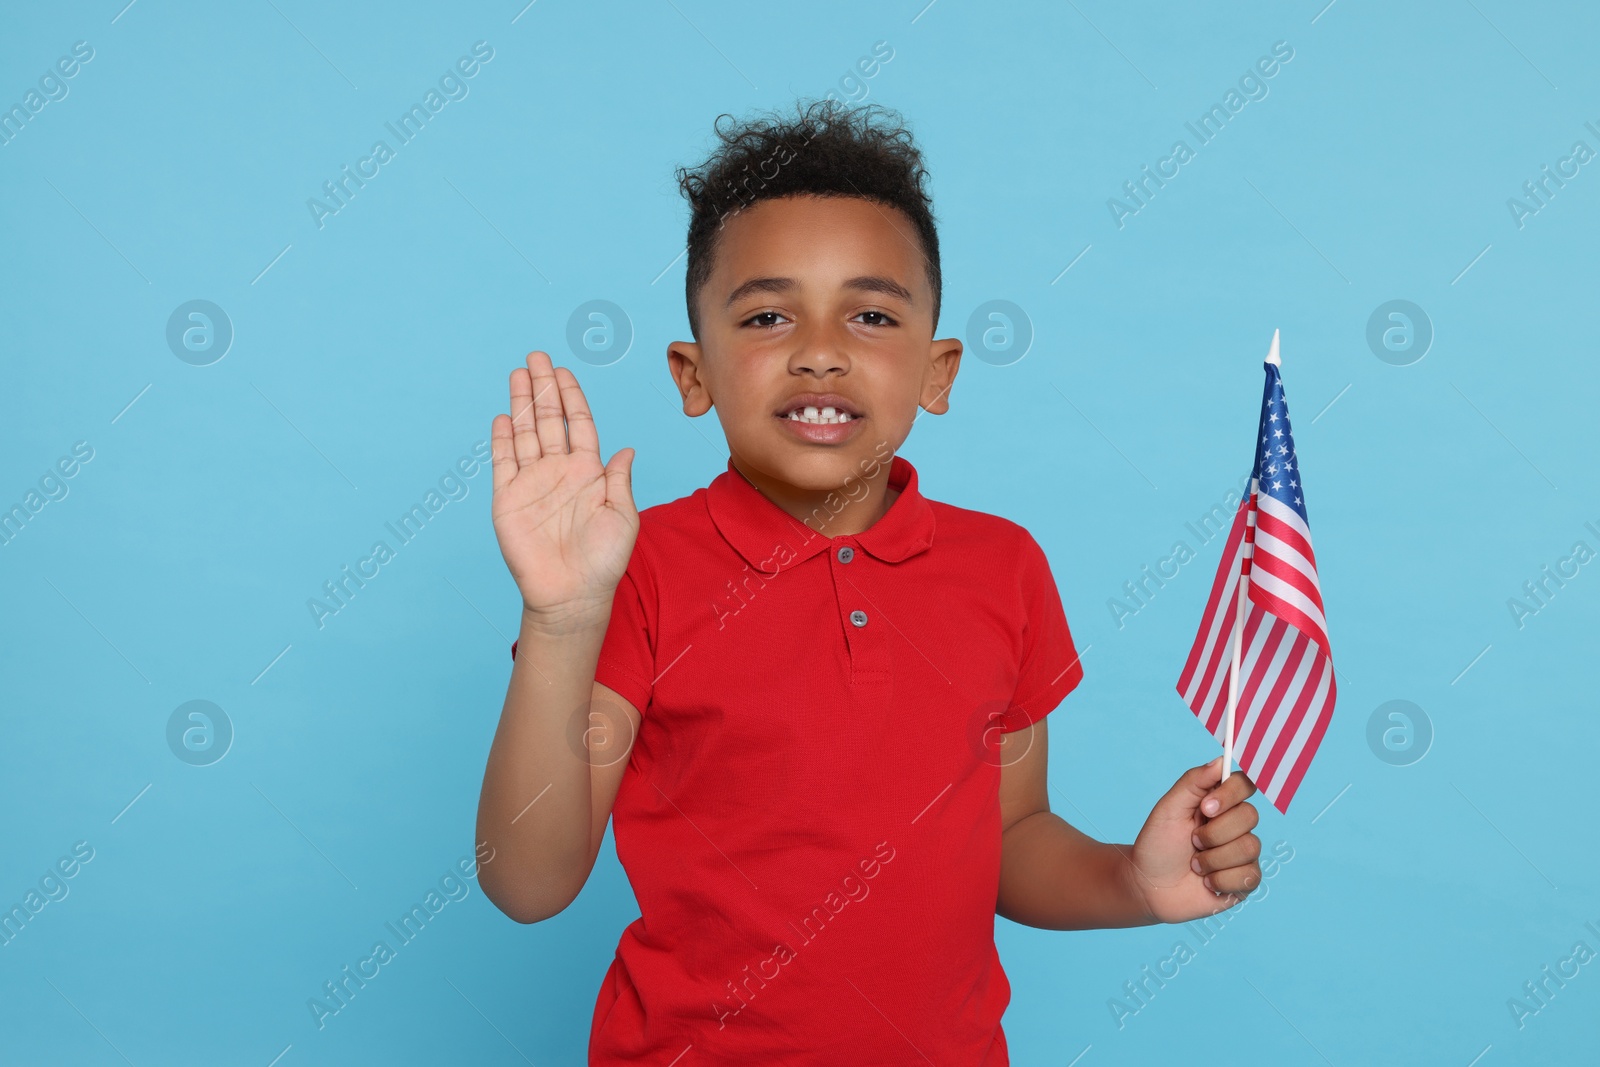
(1285, 685)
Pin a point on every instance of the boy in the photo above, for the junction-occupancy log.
(812, 699)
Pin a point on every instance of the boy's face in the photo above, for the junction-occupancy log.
(812, 297)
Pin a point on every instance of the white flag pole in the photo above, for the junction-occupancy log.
(1241, 597)
(1233, 673)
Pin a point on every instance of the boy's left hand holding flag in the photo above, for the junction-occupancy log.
(1196, 855)
(1262, 648)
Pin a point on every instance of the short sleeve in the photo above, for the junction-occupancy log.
(627, 657)
(1049, 668)
(627, 653)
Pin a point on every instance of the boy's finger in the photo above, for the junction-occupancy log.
(1236, 788)
(1240, 852)
(548, 423)
(1238, 880)
(619, 482)
(1237, 820)
(580, 421)
(526, 441)
(1192, 787)
(502, 451)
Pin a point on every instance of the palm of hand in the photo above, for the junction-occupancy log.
(566, 524)
(557, 532)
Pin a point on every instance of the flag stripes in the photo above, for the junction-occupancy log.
(1286, 687)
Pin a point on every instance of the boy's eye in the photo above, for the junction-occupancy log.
(768, 319)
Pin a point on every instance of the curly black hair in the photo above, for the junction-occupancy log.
(828, 149)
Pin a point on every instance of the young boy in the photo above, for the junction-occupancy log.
(811, 698)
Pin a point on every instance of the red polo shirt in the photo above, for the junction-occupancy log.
(810, 814)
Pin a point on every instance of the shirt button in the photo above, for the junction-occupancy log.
(858, 617)
(846, 554)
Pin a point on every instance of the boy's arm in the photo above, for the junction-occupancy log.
(1054, 877)
(1051, 875)
(553, 771)
(566, 526)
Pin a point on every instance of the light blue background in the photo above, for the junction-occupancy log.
(374, 352)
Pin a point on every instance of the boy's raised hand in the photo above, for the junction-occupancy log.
(565, 523)
(1190, 861)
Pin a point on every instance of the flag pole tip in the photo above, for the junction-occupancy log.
(1272, 353)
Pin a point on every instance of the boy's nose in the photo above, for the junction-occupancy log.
(820, 356)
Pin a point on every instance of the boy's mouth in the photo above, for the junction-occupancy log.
(819, 409)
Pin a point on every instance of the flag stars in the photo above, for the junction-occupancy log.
(1277, 464)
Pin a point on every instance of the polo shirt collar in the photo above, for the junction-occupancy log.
(754, 525)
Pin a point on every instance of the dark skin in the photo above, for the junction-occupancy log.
(845, 307)
(824, 294)
(831, 295)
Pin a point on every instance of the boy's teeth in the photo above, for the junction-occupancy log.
(820, 417)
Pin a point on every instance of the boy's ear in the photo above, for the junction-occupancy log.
(945, 358)
(683, 361)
